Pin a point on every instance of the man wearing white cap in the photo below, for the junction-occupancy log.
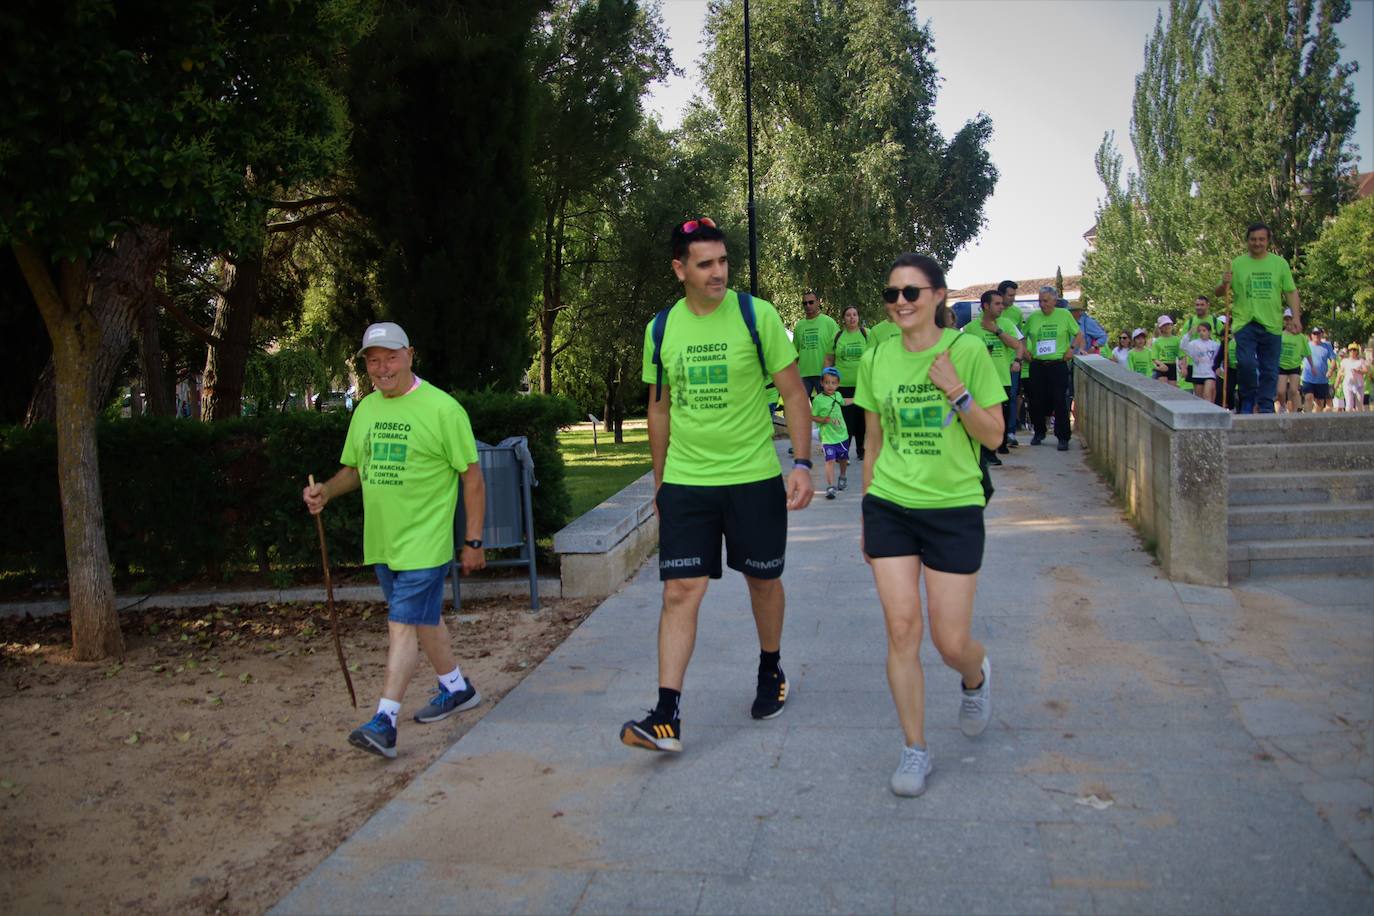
(1165, 351)
(408, 443)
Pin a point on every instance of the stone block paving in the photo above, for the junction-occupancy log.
(1228, 731)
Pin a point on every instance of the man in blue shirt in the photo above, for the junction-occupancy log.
(1316, 373)
(1094, 336)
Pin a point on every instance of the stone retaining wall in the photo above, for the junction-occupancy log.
(603, 547)
(1164, 453)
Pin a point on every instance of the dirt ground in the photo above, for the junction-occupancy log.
(209, 771)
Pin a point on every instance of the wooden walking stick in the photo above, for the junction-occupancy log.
(333, 612)
(1225, 354)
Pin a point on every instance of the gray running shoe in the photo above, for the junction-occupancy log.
(975, 709)
(829, 492)
(910, 778)
(844, 482)
(444, 703)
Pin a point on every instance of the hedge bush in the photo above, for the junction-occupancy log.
(184, 498)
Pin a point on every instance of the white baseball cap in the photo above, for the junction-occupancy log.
(1163, 320)
(386, 334)
(1288, 313)
(1138, 332)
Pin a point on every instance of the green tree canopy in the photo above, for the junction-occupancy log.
(851, 167)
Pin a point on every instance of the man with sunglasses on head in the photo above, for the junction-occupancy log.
(814, 340)
(706, 361)
(1052, 335)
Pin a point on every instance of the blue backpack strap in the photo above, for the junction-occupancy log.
(660, 325)
(746, 309)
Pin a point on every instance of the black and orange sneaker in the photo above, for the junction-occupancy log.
(771, 695)
(653, 733)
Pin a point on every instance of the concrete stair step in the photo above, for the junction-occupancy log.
(1350, 556)
(1282, 487)
(1299, 428)
(1341, 455)
(1299, 520)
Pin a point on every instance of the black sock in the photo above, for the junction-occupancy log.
(769, 661)
(669, 703)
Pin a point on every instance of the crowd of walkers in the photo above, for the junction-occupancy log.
(926, 406)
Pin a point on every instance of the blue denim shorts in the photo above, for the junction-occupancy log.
(413, 596)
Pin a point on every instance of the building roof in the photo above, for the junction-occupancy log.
(1364, 185)
(1023, 287)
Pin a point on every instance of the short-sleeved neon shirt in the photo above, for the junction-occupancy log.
(831, 407)
(925, 463)
(882, 331)
(720, 431)
(1050, 336)
(813, 339)
(1141, 361)
(1165, 349)
(1258, 286)
(1001, 354)
(849, 348)
(1293, 349)
(409, 451)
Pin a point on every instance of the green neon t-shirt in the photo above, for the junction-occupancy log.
(924, 463)
(813, 339)
(720, 432)
(1140, 361)
(1258, 288)
(849, 349)
(1292, 350)
(1001, 354)
(882, 331)
(409, 451)
(1231, 352)
(1050, 336)
(830, 407)
(1165, 349)
(1189, 326)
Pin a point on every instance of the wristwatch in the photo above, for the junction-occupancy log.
(963, 402)
(475, 543)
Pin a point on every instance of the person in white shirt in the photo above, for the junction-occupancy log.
(1122, 349)
(1202, 350)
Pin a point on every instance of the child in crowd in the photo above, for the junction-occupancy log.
(1354, 369)
(1140, 359)
(827, 410)
(1165, 351)
(1293, 350)
(1202, 350)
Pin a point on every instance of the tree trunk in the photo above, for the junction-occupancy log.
(160, 402)
(226, 362)
(78, 337)
(120, 280)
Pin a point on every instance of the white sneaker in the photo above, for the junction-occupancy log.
(910, 778)
(975, 709)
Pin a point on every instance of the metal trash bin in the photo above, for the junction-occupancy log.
(508, 472)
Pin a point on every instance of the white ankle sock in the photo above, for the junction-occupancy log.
(391, 708)
(453, 681)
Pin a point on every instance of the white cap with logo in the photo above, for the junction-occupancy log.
(386, 334)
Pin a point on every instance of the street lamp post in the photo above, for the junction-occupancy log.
(749, 146)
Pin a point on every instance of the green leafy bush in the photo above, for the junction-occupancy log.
(183, 498)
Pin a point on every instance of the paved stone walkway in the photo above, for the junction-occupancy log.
(1229, 731)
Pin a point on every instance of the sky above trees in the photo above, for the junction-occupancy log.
(1054, 76)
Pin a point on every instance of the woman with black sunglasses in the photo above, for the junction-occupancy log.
(930, 397)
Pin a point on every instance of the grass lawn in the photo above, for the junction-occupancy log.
(592, 479)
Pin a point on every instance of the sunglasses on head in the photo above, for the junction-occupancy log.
(692, 225)
(909, 293)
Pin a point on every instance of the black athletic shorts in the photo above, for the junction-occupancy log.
(946, 540)
(1171, 375)
(752, 517)
(1294, 371)
(1319, 390)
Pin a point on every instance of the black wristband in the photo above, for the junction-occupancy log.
(801, 463)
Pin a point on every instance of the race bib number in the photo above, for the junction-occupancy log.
(1045, 347)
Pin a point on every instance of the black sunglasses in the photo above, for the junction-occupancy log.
(910, 293)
